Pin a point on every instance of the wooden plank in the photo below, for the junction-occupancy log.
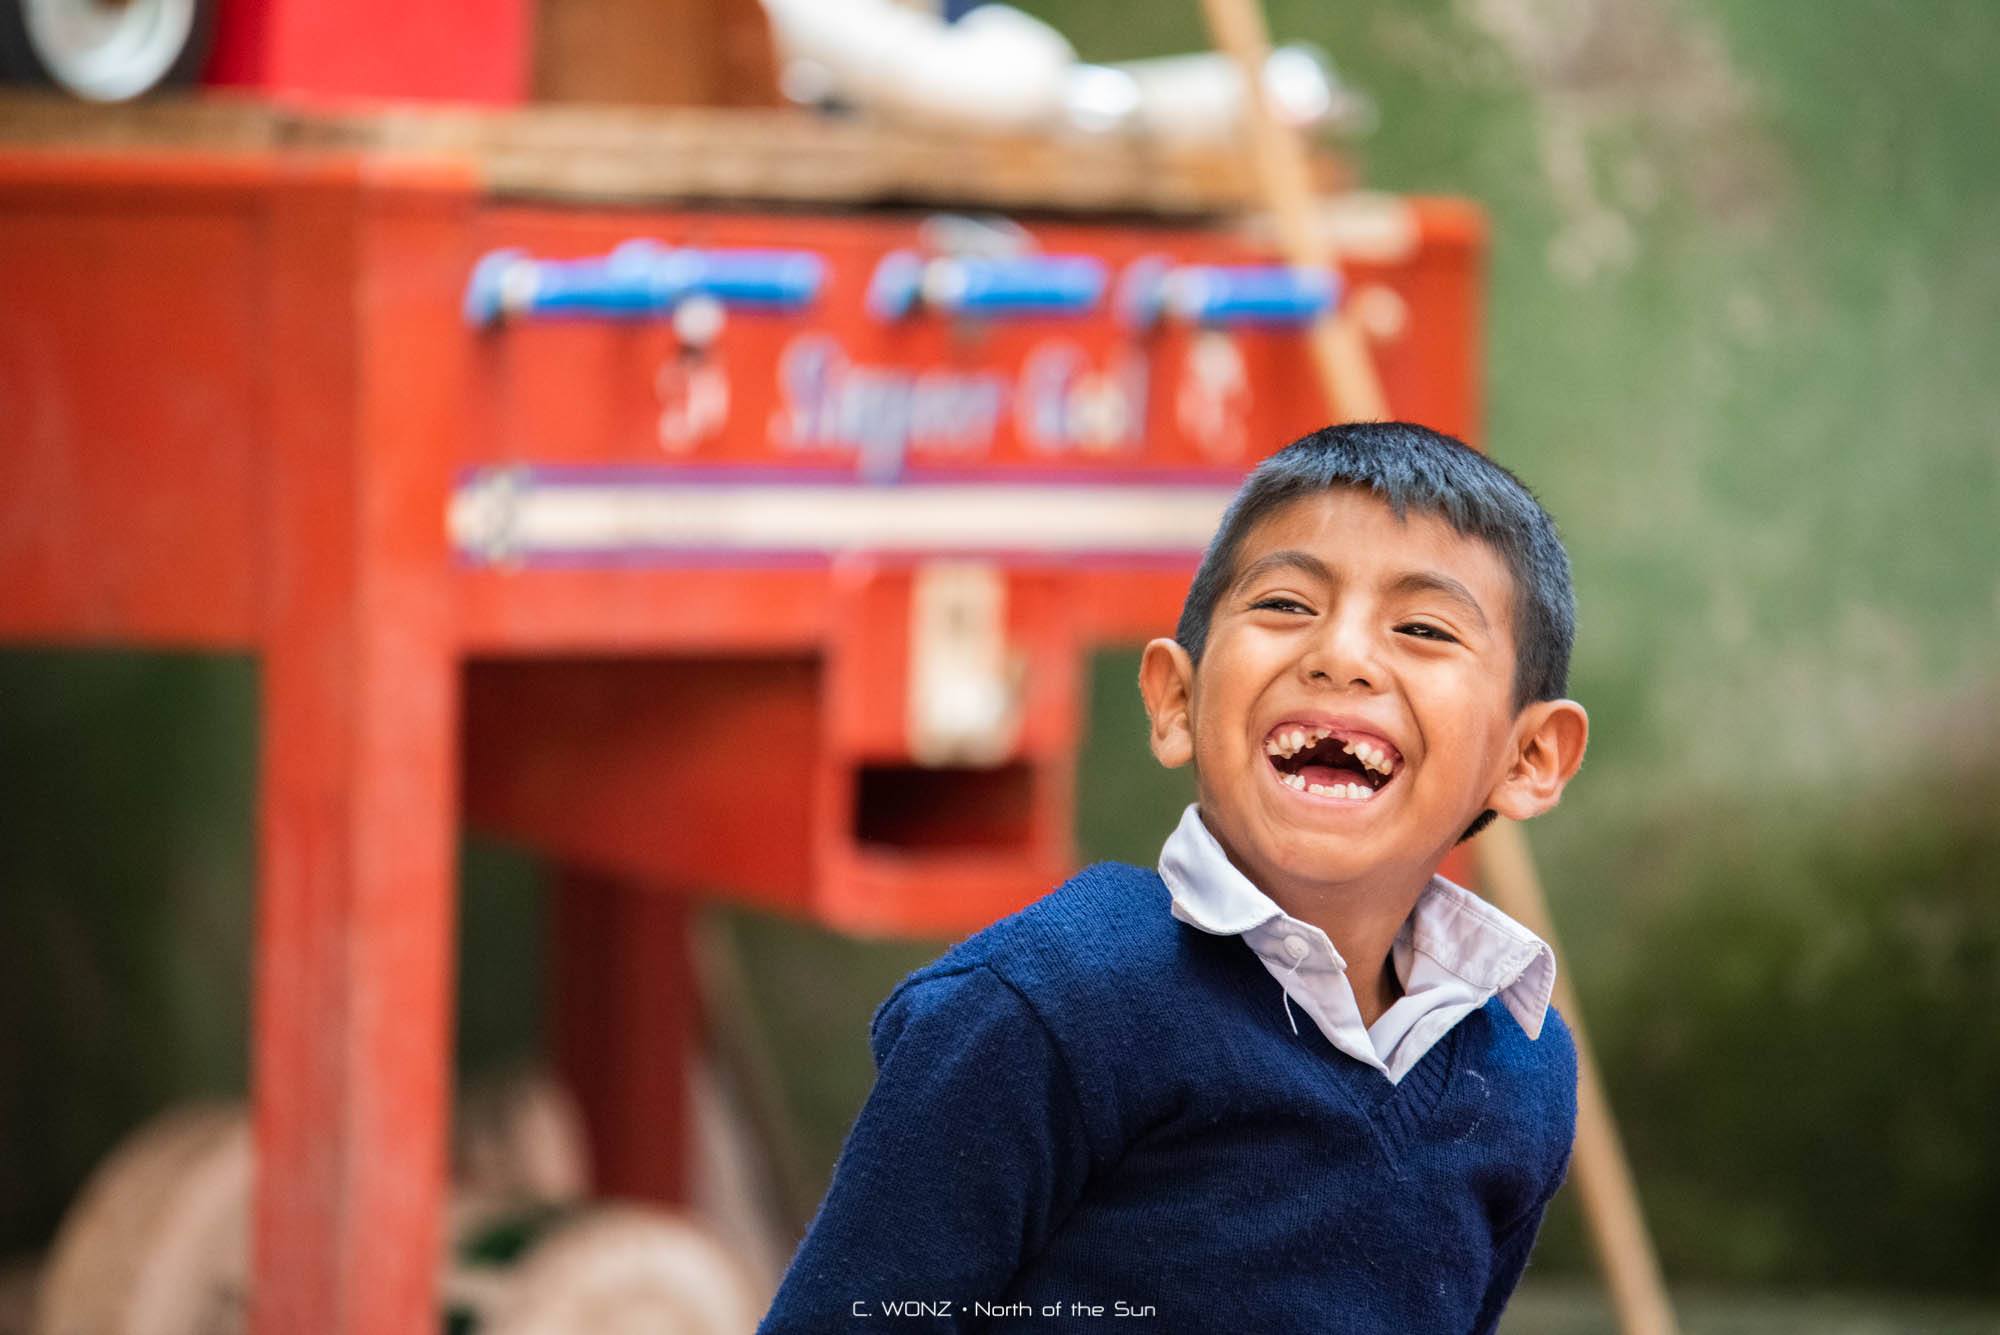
(688, 154)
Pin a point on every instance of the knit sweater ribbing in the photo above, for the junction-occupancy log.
(1090, 1103)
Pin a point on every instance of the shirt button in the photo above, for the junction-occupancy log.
(1296, 947)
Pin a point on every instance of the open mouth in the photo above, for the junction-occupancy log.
(1322, 762)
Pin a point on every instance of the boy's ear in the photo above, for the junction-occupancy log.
(1166, 680)
(1549, 739)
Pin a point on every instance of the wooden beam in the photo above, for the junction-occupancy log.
(627, 154)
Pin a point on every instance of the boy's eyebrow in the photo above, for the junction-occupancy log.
(1430, 581)
(1304, 562)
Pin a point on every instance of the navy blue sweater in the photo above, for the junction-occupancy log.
(1091, 1104)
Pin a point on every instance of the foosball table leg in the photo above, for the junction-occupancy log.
(357, 808)
(351, 1052)
(624, 1023)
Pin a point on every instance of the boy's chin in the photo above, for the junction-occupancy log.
(1327, 857)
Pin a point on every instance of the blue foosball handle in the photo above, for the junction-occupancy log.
(639, 279)
(1225, 294)
(995, 288)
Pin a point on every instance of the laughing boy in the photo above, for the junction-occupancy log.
(1293, 1080)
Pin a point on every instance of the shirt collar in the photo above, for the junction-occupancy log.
(1450, 926)
(1209, 892)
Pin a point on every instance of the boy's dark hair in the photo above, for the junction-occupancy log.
(1412, 467)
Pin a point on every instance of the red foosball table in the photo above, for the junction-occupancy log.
(703, 549)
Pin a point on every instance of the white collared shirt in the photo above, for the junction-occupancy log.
(1454, 953)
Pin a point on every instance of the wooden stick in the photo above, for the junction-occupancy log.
(1340, 350)
(1603, 1177)
(1507, 870)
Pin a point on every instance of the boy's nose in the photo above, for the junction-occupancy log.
(1344, 654)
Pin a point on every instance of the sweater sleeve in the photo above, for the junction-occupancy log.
(1511, 1249)
(1513, 1244)
(970, 1150)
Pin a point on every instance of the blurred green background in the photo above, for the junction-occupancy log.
(1744, 339)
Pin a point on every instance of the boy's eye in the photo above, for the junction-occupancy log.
(1278, 603)
(1424, 631)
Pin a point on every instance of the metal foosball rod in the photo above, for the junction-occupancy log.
(1506, 866)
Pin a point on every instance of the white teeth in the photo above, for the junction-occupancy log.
(1290, 742)
(1374, 757)
(1355, 792)
(1294, 740)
